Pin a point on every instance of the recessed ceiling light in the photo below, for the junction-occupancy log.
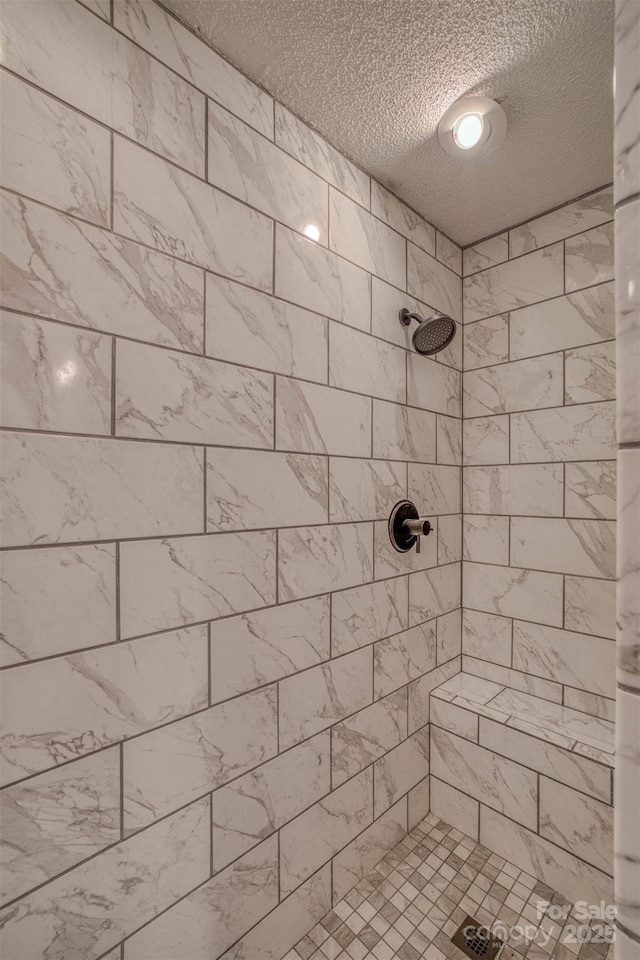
(473, 126)
(312, 232)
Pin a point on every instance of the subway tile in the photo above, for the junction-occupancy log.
(433, 386)
(499, 783)
(53, 154)
(487, 637)
(628, 322)
(582, 432)
(251, 328)
(246, 165)
(313, 277)
(536, 490)
(72, 54)
(449, 253)
(576, 659)
(55, 600)
(363, 489)
(450, 538)
(525, 683)
(590, 373)
(367, 735)
(579, 824)
(582, 547)
(362, 615)
(487, 253)
(404, 657)
(54, 377)
(544, 715)
(454, 719)
(316, 153)
(254, 806)
(166, 208)
(59, 818)
(486, 342)
(590, 489)
(420, 692)
(602, 707)
(589, 258)
(288, 923)
(402, 218)
(562, 765)
(539, 858)
(455, 807)
(171, 583)
(433, 592)
(486, 538)
(567, 322)
(93, 699)
(362, 854)
(449, 438)
(379, 372)
(127, 886)
(122, 288)
(248, 489)
(168, 768)
(512, 592)
(361, 238)
(517, 283)
(628, 567)
(399, 770)
(165, 37)
(590, 606)
(315, 419)
(521, 385)
(403, 433)
(576, 217)
(449, 636)
(390, 562)
(102, 8)
(418, 803)
(486, 440)
(257, 648)
(97, 489)
(314, 560)
(386, 304)
(435, 488)
(317, 698)
(314, 837)
(162, 395)
(433, 283)
(208, 921)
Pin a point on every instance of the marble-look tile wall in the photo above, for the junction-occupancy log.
(215, 670)
(627, 234)
(539, 492)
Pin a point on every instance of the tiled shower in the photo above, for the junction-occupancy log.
(236, 722)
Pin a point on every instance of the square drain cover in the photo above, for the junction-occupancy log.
(476, 940)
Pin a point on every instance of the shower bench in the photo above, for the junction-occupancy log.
(531, 779)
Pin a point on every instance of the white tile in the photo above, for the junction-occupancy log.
(53, 154)
(450, 538)
(628, 321)
(591, 489)
(362, 615)
(589, 258)
(582, 432)
(487, 637)
(487, 253)
(128, 885)
(543, 714)
(626, 806)
(122, 288)
(507, 387)
(176, 213)
(436, 489)
(403, 433)
(469, 688)
(576, 659)
(402, 218)
(589, 211)
(434, 592)
(358, 236)
(420, 692)
(400, 770)
(449, 636)
(486, 440)
(55, 600)
(417, 803)
(313, 560)
(363, 489)
(486, 538)
(102, 8)
(580, 824)
(54, 377)
(362, 854)
(583, 547)
(390, 562)
(317, 698)
(248, 489)
(433, 283)
(597, 706)
(72, 54)
(449, 253)
(536, 490)
(168, 768)
(449, 439)
(251, 328)
(433, 386)
(626, 125)
(628, 569)
(590, 373)
(169, 583)
(97, 489)
(512, 592)
(517, 283)
(386, 303)
(367, 735)
(317, 154)
(590, 606)
(454, 807)
(403, 657)
(248, 166)
(165, 37)
(486, 342)
(574, 320)
(93, 699)
(315, 419)
(379, 370)
(256, 648)
(455, 719)
(523, 682)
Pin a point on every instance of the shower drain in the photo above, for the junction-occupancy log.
(475, 940)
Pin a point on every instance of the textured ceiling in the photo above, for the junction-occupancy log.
(375, 76)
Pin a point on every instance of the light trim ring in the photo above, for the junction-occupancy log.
(493, 127)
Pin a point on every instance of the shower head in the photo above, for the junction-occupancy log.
(431, 335)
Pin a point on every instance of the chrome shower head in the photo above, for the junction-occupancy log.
(431, 335)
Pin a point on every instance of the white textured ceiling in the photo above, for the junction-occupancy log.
(375, 76)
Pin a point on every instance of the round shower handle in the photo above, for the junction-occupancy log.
(417, 528)
(406, 527)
